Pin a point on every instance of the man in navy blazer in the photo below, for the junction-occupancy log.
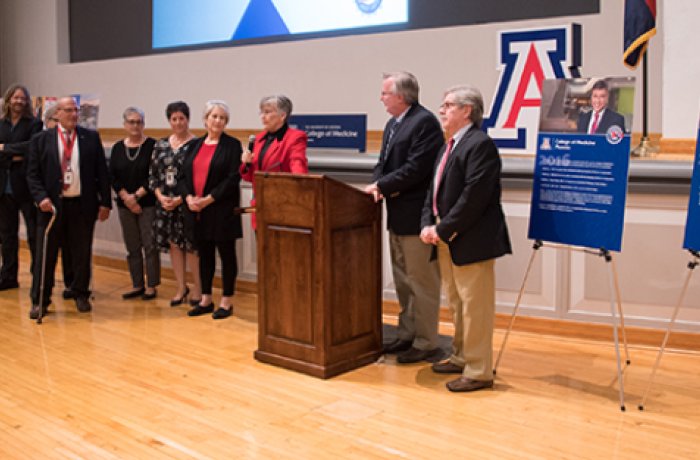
(412, 138)
(462, 216)
(67, 170)
(600, 118)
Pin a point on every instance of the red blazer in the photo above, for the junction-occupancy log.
(289, 155)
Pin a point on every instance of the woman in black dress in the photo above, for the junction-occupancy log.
(169, 224)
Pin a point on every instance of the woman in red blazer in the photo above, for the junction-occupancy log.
(277, 149)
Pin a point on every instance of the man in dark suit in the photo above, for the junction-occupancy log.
(411, 141)
(600, 118)
(462, 216)
(67, 170)
(17, 126)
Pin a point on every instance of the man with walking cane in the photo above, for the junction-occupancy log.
(67, 170)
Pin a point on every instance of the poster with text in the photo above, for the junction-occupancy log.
(692, 225)
(582, 164)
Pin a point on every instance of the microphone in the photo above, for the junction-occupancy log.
(251, 142)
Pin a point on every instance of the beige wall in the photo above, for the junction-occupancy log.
(326, 75)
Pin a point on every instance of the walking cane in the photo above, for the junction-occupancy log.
(43, 264)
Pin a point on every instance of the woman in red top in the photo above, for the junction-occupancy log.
(210, 187)
(277, 149)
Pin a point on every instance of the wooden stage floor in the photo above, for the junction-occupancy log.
(137, 379)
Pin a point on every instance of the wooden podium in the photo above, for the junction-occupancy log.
(319, 274)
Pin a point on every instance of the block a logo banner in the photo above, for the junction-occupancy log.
(579, 185)
(692, 225)
(528, 57)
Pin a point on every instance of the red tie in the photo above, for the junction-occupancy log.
(594, 126)
(440, 171)
(67, 153)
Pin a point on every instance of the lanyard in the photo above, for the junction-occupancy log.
(67, 146)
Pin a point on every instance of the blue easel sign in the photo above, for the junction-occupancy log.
(692, 225)
(333, 131)
(580, 180)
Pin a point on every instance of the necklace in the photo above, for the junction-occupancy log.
(136, 154)
(176, 143)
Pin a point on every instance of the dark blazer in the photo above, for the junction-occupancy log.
(609, 118)
(404, 169)
(469, 201)
(216, 222)
(17, 141)
(44, 174)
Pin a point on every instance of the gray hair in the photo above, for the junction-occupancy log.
(50, 113)
(281, 102)
(468, 95)
(216, 103)
(404, 84)
(129, 110)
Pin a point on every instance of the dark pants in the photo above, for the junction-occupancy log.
(10, 208)
(207, 264)
(137, 230)
(72, 231)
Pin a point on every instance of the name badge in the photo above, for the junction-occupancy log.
(170, 177)
(68, 177)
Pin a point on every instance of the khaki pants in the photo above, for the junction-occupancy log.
(417, 282)
(471, 294)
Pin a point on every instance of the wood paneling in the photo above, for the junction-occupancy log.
(322, 237)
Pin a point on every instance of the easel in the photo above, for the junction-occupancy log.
(691, 266)
(614, 298)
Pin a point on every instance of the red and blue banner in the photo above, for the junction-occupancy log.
(640, 26)
(692, 225)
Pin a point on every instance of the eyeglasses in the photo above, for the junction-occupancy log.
(133, 122)
(448, 105)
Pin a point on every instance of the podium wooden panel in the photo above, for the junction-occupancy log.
(319, 274)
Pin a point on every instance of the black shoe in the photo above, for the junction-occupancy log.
(195, 302)
(133, 294)
(201, 310)
(179, 301)
(222, 313)
(8, 284)
(149, 296)
(83, 304)
(34, 312)
(397, 346)
(414, 355)
(68, 294)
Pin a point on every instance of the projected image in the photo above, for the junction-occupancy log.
(183, 22)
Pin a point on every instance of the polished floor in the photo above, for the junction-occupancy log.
(136, 379)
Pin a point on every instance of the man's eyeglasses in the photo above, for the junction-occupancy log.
(134, 122)
(448, 105)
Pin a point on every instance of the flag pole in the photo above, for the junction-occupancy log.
(644, 149)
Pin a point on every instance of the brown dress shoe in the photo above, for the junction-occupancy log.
(467, 384)
(446, 367)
